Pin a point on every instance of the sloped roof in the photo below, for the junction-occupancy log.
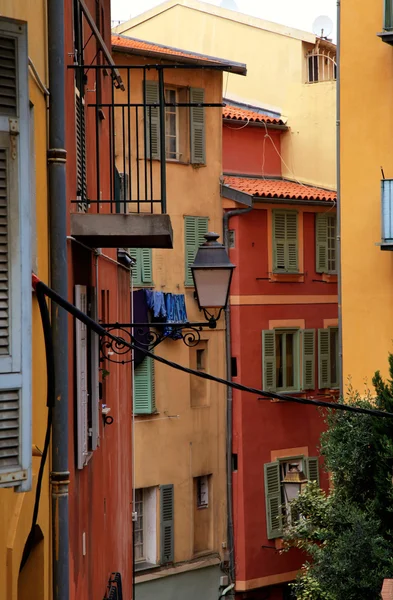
(130, 45)
(240, 114)
(278, 188)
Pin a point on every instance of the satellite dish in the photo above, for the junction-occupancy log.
(322, 26)
(229, 4)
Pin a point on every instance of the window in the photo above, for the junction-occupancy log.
(326, 243)
(142, 271)
(284, 480)
(144, 389)
(195, 228)
(285, 242)
(171, 126)
(145, 527)
(328, 353)
(87, 379)
(202, 489)
(312, 69)
(388, 16)
(184, 127)
(288, 357)
(15, 259)
(139, 549)
(321, 64)
(199, 388)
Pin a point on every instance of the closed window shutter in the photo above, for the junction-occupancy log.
(94, 375)
(152, 120)
(80, 125)
(323, 359)
(197, 119)
(313, 469)
(273, 500)
(15, 261)
(166, 523)
(291, 242)
(321, 234)
(195, 229)
(144, 389)
(269, 360)
(136, 269)
(81, 379)
(285, 242)
(309, 359)
(146, 260)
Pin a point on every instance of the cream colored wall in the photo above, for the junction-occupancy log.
(276, 76)
(175, 450)
(17, 509)
(366, 145)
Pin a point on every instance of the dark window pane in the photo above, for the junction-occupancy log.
(289, 360)
(279, 357)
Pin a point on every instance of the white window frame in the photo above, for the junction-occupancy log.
(149, 528)
(202, 491)
(172, 110)
(16, 367)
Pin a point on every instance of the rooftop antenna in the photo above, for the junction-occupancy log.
(323, 27)
(229, 4)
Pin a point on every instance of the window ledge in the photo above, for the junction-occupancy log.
(329, 277)
(144, 566)
(386, 36)
(157, 572)
(152, 414)
(286, 278)
(143, 285)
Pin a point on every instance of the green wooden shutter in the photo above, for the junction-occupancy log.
(291, 258)
(136, 269)
(278, 241)
(323, 359)
(269, 360)
(167, 523)
(197, 120)
(144, 389)
(273, 500)
(321, 237)
(152, 119)
(313, 469)
(309, 359)
(146, 265)
(195, 229)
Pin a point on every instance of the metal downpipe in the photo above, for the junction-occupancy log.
(229, 419)
(58, 261)
(338, 171)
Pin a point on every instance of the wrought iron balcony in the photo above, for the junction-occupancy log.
(120, 197)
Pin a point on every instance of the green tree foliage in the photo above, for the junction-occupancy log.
(347, 535)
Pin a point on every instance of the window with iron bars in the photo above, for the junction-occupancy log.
(321, 65)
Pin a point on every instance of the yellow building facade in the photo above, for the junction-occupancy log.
(278, 74)
(367, 285)
(24, 223)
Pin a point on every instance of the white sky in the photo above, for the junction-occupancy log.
(294, 13)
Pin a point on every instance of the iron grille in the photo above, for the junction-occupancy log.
(114, 590)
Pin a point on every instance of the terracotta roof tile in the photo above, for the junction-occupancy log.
(278, 188)
(387, 590)
(140, 47)
(241, 114)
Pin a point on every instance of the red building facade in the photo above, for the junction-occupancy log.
(284, 320)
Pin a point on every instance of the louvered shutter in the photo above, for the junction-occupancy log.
(309, 359)
(81, 379)
(94, 375)
(323, 359)
(273, 500)
(146, 265)
(152, 120)
(279, 241)
(167, 523)
(321, 236)
(15, 261)
(80, 126)
(197, 120)
(269, 360)
(136, 269)
(195, 228)
(291, 258)
(144, 388)
(313, 469)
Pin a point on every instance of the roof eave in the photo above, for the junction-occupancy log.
(236, 195)
(237, 68)
(241, 122)
(300, 201)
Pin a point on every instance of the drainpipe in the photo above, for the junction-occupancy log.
(338, 170)
(231, 542)
(58, 261)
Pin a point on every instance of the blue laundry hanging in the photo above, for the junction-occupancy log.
(176, 313)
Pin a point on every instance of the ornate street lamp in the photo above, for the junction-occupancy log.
(212, 273)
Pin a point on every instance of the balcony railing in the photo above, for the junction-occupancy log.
(114, 591)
